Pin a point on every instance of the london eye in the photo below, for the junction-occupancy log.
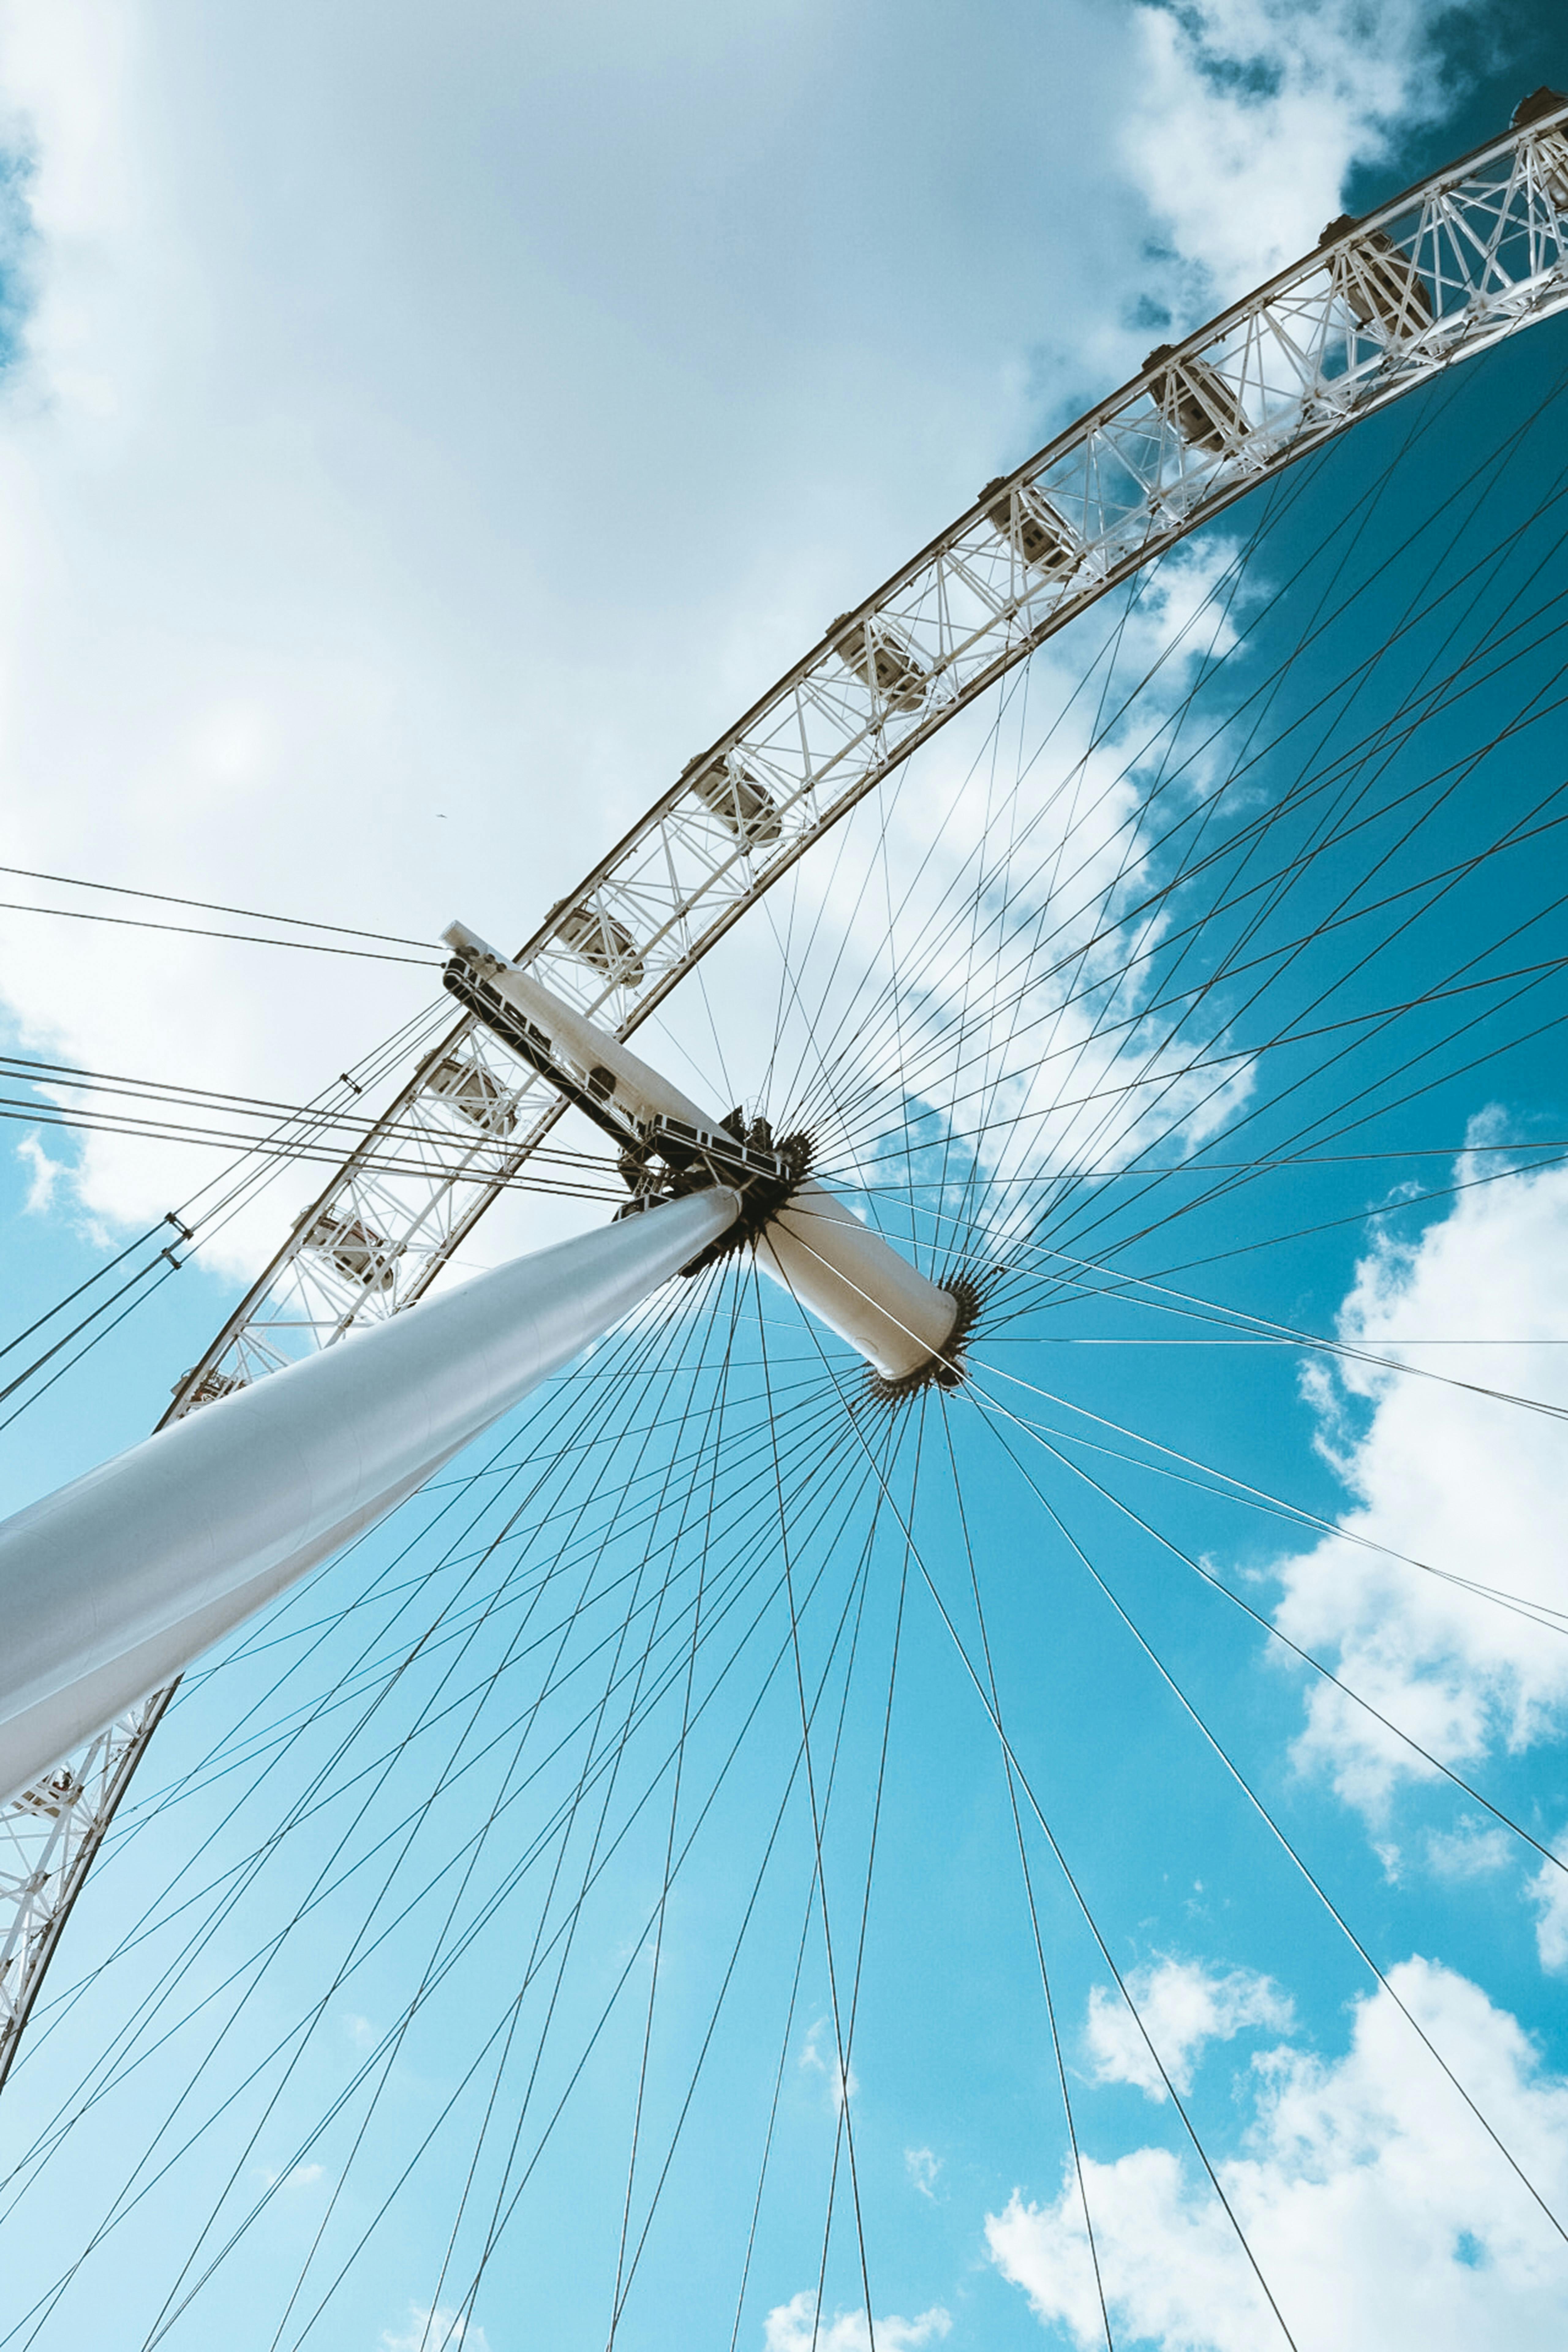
(660, 1692)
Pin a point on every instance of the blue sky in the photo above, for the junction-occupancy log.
(415, 450)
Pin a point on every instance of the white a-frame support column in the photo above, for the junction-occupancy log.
(111, 1587)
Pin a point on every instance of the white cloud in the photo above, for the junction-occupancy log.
(439, 2329)
(397, 620)
(304, 2176)
(1251, 113)
(794, 2326)
(1474, 1850)
(923, 2166)
(1184, 2005)
(1167, 2257)
(44, 1175)
(1468, 1485)
(1377, 2209)
(812, 2061)
(1549, 1893)
(1103, 1088)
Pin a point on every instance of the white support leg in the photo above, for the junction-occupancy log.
(111, 1587)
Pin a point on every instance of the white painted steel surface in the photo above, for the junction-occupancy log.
(855, 1283)
(109, 1588)
(641, 1091)
(847, 1275)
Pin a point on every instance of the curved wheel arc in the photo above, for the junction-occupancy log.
(1468, 256)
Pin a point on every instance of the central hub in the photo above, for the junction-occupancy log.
(806, 1237)
(674, 1158)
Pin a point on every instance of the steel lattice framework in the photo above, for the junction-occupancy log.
(1385, 304)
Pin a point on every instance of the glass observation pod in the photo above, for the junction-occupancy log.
(1032, 526)
(1381, 286)
(211, 1384)
(1196, 399)
(473, 1091)
(731, 794)
(1551, 151)
(600, 940)
(876, 652)
(356, 1251)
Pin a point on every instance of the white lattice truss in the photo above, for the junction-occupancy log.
(1449, 269)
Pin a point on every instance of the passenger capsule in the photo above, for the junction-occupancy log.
(885, 660)
(475, 1092)
(600, 940)
(1551, 149)
(358, 1252)
(50, 1798)
(1540, 102)
(214, 1383)
(731, 794)
(1383, 286)
(1032, 526)
(1197, 399)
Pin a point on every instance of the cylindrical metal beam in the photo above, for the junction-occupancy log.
(848, 1276)
(111, 1587)
(639, 1091)
(856, 1284)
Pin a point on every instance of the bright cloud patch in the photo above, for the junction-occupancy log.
(243, 741)
(1377, 2209)
(1467, 1483)
(794, 2326)
(1254, 111)
(43, 1175)
(844, 2083)
(16, 241)
(1549, 1892)
(304, 2176)
(1031, 1016)
(1471, 1851)
(1183, 2005)
(438, 2330)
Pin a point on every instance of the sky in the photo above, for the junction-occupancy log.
(401, 446)
(417, 442)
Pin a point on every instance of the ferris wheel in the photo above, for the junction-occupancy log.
(988, 1017)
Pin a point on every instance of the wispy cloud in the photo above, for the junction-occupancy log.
(798, 2327)
(1184, 2005)
(437, 2328)
(1475, 1849)
(844, 2081)
(1446, 1479)
(43, 1175)
(1549, 1894)
(1250, 115)
(18, 242)
(1434, 2239)
(302, 2175)
(309, 741)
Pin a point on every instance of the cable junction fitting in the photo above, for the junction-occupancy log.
(808, 1237)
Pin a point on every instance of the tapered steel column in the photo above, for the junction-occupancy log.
(111, 1587)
